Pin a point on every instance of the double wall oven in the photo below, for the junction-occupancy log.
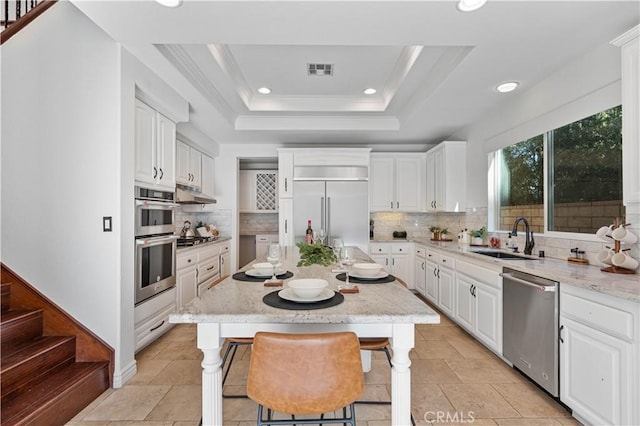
(155, 241)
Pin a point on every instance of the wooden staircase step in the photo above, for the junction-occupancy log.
(57, 398)
(19, 326)
(29, 362)
(6, 296)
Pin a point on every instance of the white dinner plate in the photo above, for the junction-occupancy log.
(288, 294)
(260, 274)
(379, 275)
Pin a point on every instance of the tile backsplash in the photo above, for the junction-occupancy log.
(417, 226)
(220, 218)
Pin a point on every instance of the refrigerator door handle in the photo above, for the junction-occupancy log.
(322, 213)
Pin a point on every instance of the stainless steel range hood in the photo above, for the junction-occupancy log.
(187, 195)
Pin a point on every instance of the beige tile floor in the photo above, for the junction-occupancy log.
(455, 380)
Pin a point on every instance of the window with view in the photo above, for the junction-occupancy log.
(584, 176)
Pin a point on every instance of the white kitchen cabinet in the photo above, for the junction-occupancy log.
(208, 176)
(396, 182)
(599, 357)
(420, 270)
(285, 174)
(155, 144)
(396, 259)
(431, 278)
(258, 191)
(446, 182)
(186, 276)
(478, 308)
(439, 281)
(188, 165)
(225, 259)
(446, 290)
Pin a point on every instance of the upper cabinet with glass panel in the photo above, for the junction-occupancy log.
(583, 186)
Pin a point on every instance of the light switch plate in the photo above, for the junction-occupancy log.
(106, 224)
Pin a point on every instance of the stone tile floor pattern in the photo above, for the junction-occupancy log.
(455, 380)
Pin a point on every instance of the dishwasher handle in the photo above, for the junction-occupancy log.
(509, 276)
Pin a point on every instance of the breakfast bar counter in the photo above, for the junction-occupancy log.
(235, 309)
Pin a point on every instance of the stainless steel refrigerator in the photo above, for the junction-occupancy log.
(334, 199)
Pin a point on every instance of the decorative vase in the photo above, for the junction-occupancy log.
(477, 241)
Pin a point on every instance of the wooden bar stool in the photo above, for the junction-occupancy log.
(305, 374)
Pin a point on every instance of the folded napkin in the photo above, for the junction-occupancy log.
(277, 283)
(354, 289)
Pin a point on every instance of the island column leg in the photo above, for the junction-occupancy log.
(209, 344)
(401, 343)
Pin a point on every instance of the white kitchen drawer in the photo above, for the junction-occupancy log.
(208, 269)
(187, 259)
(615, 321)
(154, 327)
(380, 248)
(402, 248)
(209, 252)
(225, 247)
(479, 273)
(447, 261)
(420, 251)
(431, 255)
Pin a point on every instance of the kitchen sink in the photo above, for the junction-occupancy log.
(503, 255)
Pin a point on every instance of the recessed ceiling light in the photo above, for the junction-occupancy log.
(369, 91)
(507, 87)
(470, 5)
(170, 3)
(264, 90)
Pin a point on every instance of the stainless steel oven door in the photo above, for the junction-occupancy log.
(155, 266)
(154, 217)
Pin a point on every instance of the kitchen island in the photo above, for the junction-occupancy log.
(235, 309)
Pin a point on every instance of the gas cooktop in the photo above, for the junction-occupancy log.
(192, 241)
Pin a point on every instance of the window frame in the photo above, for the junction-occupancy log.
(493, 199)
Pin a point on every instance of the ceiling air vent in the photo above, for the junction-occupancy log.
(320, 69)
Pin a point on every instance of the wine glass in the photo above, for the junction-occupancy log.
(273, 257)
(347, 260)
(321, 236)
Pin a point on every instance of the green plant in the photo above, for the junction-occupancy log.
(434, 228)
(479, 233)
(444, 231)
(311, 254)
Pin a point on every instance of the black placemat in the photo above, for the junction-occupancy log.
(272, 299)
(388, 279)
(241, 276)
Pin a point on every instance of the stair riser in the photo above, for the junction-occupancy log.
(21, 330)
(66, 405)
(33, 368)
(6, 297)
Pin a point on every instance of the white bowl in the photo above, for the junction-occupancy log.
(263, 268)
(366, 270)
(307, 288)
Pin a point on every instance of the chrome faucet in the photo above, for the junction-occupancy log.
(529, 242)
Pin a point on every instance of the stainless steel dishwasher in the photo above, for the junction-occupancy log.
(530, 327)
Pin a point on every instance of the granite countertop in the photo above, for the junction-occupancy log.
(624, 286)
(249, 232)
(234, 301)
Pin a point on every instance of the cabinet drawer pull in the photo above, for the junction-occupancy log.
(210, 268)
(157, 326)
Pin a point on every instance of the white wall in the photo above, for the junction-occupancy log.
(585, 86)
(61, 165)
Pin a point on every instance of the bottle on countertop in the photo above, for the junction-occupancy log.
(509, 241)
(309, 234)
